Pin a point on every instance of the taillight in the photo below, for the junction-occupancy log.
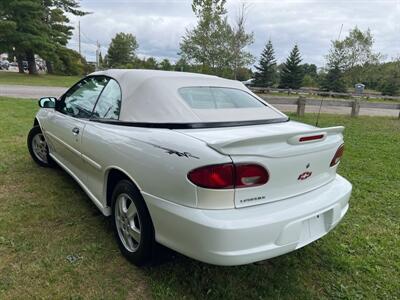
(248, 175)
(229, 176)
(213, 177)
(338, 155)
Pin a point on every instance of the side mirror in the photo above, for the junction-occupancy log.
(47, 102)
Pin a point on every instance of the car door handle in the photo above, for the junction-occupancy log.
(75, 131)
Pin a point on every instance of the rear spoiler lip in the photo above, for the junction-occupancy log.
(290, 138)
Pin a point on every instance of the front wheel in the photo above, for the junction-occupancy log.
(38, 148)
(132, 224)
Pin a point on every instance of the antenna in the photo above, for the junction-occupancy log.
(340, 32)
(319, 111)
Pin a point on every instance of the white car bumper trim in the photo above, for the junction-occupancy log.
(245, 235)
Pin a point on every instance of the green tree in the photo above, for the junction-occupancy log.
(25, 32)
(357, 48)
(390, 80)
(352, 60)
(165, 65)
(203, 43)
(70, 62)
(101, 60)
(213, 43)
(292, 72)
(8, 29)
(354, 54)
(334, 80)
(182, 65)
(244, 74)
(239, 41)
(383, 77)
(32, 27)
(309, 81)
(310, 78)
(266, 74)
(310, 69)
(122, 50)
(55, 17)
(59, 34)
(151, 63)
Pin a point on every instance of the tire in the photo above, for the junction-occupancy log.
(38, 148)
(132, 225)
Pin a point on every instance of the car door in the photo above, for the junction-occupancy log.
(64, 128)
(98, 137)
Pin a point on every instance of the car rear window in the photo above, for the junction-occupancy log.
(218, 98)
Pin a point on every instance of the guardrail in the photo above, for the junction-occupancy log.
(355, 104)
(316, 92)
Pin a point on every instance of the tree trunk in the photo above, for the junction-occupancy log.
(30, 57)
(49, 67)
(20, 63)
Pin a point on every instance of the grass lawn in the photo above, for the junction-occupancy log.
(38, 80)
(45, 217)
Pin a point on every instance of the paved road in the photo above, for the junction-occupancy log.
(35, 92)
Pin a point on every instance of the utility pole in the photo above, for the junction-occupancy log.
(97, 56)
(79, 37)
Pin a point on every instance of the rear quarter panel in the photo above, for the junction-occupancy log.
(157, 160)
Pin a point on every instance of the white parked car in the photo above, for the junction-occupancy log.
(248, 82)
(196, 163)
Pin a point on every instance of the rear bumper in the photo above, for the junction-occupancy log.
(245, 235)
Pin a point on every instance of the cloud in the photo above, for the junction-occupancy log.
(159, 25)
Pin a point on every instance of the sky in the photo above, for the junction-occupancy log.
(160, 24)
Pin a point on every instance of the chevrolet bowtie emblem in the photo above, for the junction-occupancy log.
(304, 176)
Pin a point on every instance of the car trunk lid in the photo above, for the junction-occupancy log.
(297, 156)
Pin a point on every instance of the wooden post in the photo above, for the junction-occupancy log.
(355, 108)
(301, 106)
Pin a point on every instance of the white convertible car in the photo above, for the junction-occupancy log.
(196, 163)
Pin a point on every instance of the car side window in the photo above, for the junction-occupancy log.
(109, 104)
(81, 99)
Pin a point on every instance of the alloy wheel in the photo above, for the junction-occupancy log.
(128, 223)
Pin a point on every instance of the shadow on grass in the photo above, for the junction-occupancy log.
(175, 276)
(181, 277)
